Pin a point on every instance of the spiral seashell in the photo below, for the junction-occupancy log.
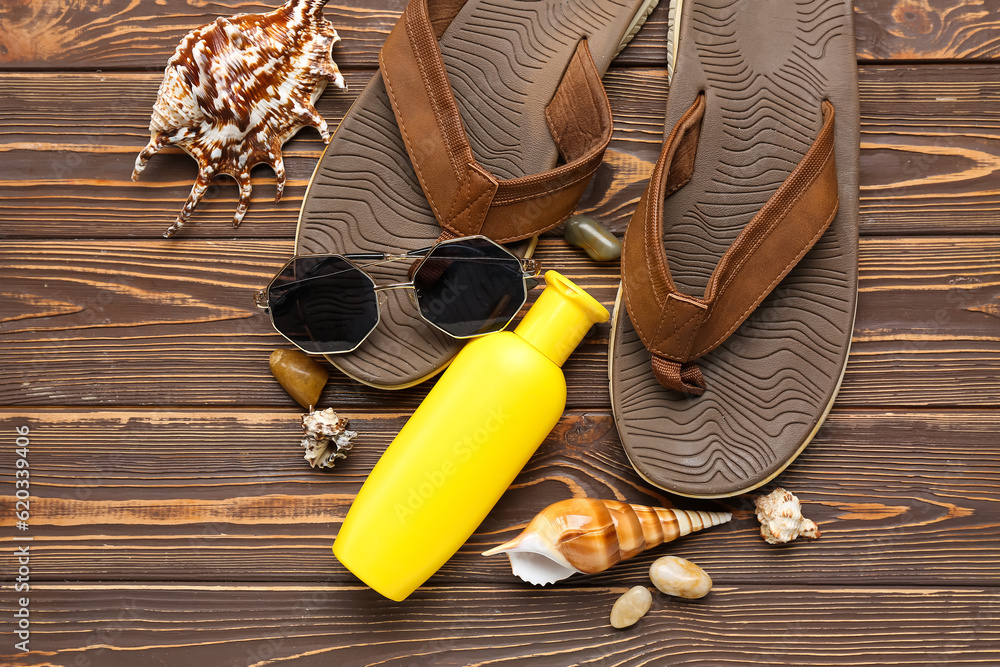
(588, 535)
(238, 88)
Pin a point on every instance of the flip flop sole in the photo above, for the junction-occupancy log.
(765, 67)
(505, 59)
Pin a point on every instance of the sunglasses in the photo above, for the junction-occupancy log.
(465, 287)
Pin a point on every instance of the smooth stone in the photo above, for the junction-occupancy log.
(584, 232)
(631, 606)
(679, 577)
(300, 375)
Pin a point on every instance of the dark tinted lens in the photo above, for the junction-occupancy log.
(469, 287)
(323, 304)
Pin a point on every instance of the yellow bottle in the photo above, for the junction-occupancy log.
(465, 443)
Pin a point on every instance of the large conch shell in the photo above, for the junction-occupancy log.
(587, 535)
(236, 89)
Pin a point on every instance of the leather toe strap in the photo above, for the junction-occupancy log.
(465, 197)
(684, 377)
(677, 328)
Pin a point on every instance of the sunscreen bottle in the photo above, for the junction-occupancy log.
(465, 443)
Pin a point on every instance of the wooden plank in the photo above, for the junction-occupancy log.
(315, 625)
(143, 34)
(918, 30)
(139, 34)
(901, 498)
(172, 322)
(930, 156)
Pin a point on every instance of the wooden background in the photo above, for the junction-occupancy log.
(174, 521)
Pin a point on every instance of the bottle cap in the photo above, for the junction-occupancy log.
(560, 318)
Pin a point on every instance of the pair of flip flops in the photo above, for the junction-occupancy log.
(739, 270)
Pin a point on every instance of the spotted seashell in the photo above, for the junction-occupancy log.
(237, 89)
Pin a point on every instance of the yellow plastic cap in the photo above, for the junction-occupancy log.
(560, 318)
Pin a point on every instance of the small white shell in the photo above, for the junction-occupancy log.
(679, 577)
(326, 438)
(238, 88)
(631, 606)
(781, 520)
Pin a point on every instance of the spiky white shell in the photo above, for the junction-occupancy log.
(781, 520)
(326, 438)
(238, 88)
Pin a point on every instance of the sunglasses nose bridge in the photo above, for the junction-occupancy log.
(383, 288)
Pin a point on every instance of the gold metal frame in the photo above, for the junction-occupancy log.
(530, 269)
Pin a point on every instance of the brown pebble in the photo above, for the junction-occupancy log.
(300, 375)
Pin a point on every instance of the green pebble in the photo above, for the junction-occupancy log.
(584, 232)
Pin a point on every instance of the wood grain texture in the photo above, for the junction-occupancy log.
(901, 498)
(172, 322)
(139, 34)
(91, 34)
(230, 626)
(929, 162)
(930, 150)
(176, 523)
(919, 30)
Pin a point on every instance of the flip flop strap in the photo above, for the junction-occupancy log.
(465, 197)
(677, 328)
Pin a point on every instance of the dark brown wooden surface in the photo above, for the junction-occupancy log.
(174, 522)
(239, 624)
(105, 322)
(141, 34)
(905, 510)
(930, 155)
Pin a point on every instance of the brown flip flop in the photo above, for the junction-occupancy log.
(739, 271)
(491, 96)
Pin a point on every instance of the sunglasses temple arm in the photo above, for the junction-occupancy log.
(368, 256)
(379, 256)
(530, 265)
